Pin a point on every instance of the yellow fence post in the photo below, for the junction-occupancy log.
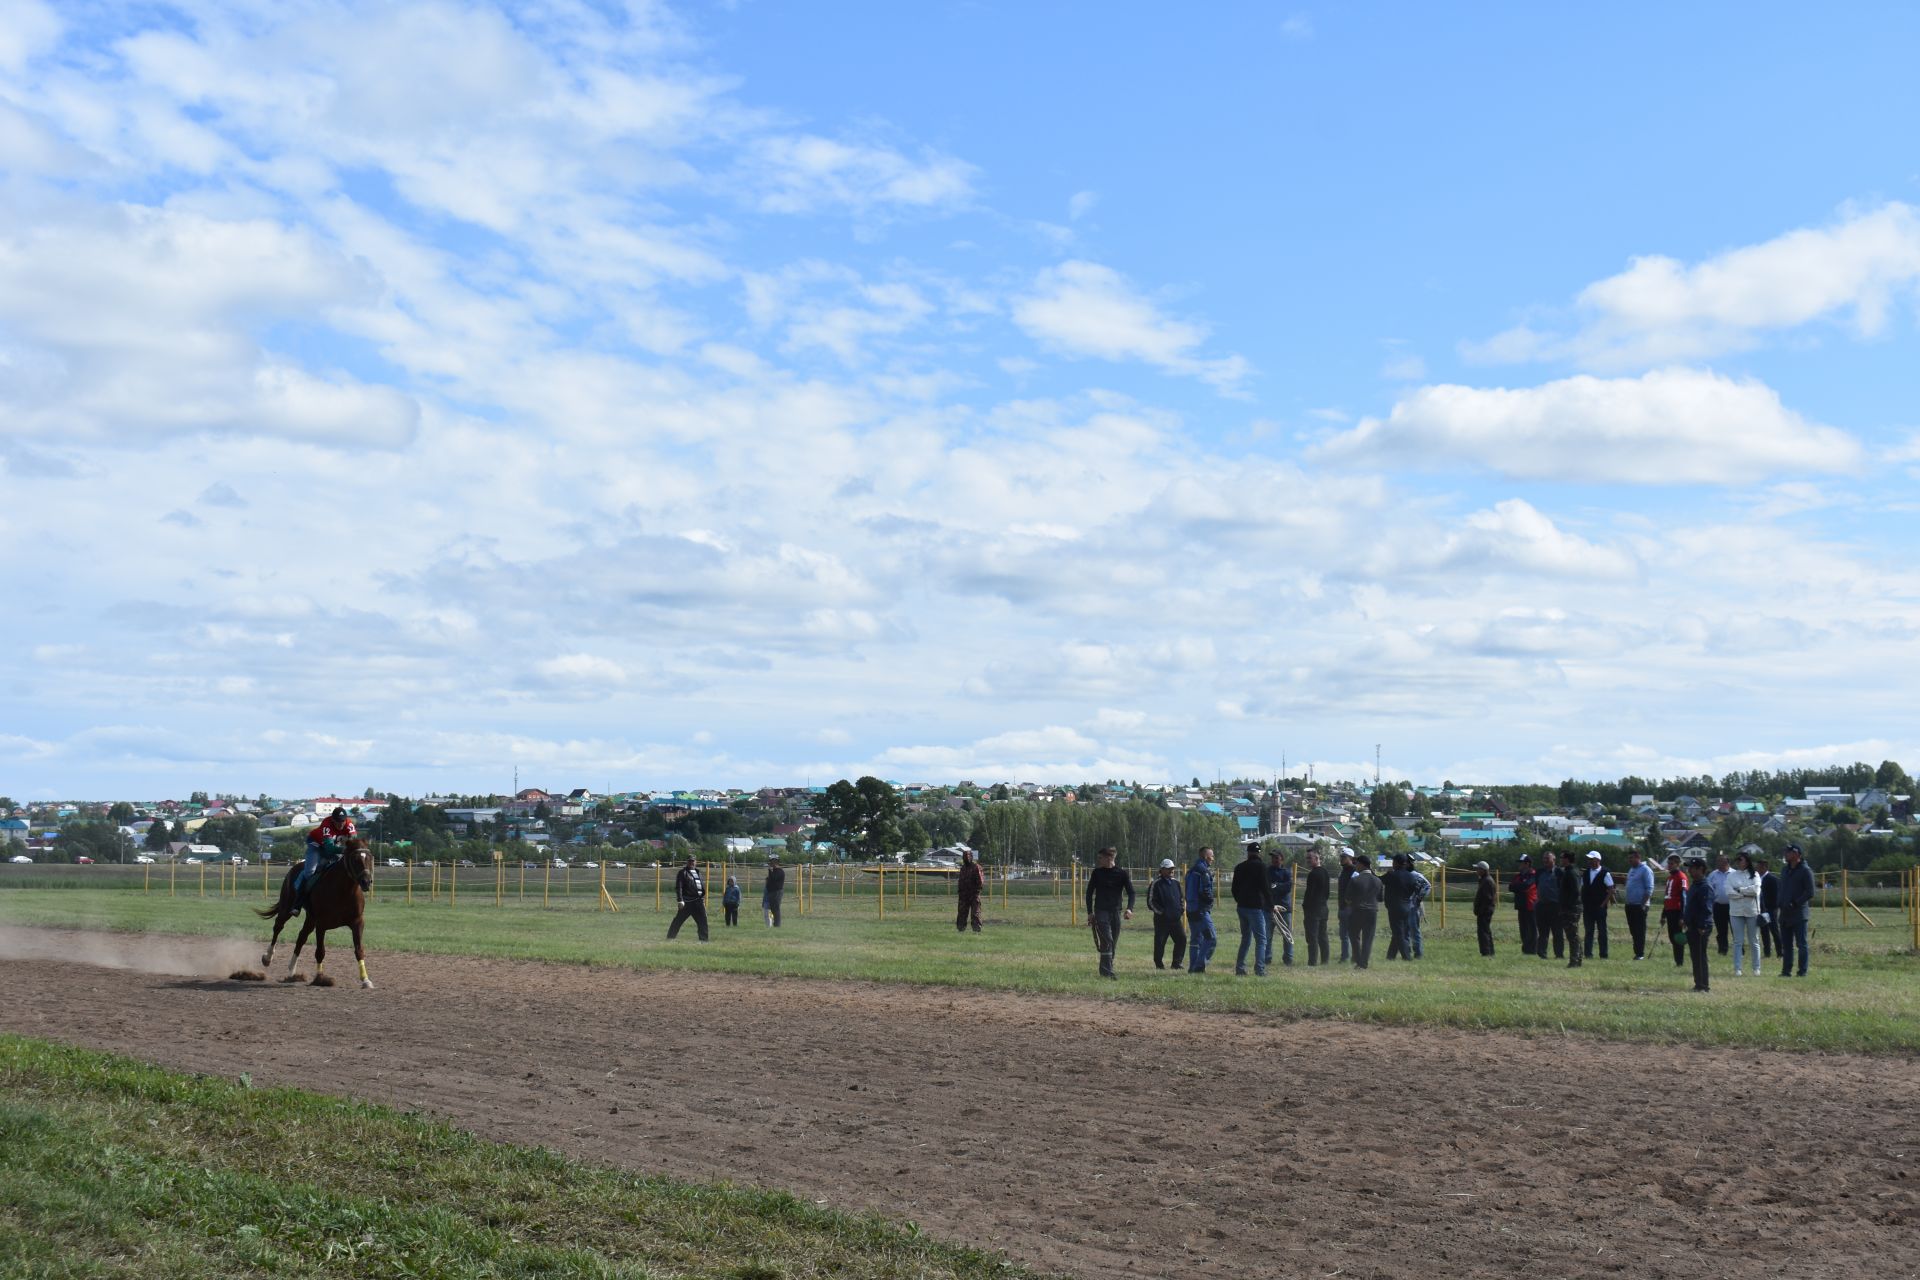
(146, 877)
(1443, 896)
(203, 879)
(453, 881)
(170, 871)
(546, 881)
(263, 878)
(656, 887)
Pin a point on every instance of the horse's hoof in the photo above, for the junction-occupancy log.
(295, 977)
(322, 980)
(266, 959)
(247, 975)
(366, 984)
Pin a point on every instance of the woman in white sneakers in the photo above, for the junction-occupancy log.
(1743, 911)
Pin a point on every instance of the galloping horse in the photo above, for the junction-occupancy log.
(337, 899)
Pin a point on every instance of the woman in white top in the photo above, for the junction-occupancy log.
(1743, 910)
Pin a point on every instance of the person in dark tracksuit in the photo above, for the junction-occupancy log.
(1546, 908)
(773, 891)
(691, 895)
(1699, 918)
(1796, 896)
(972, 886)
(1105, 887)
(730, 901)
(1169, 907)
(1345, 904)
(1200, 932)
(1364, 892)
(1486, 897)
(1313, 909)
(1522, 889)
(1769, 907)
(1569, 879)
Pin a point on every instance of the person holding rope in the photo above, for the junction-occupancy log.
(1280, 889)
(1254, 902)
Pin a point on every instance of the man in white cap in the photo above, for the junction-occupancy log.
(776, 887)
(1596, 895)
(1167, 901)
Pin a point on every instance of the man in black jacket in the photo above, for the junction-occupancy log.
(774, 889)
(1796, 898)
(691, 895)
(1345, 904)
(1546, 908)
(1313, 909)
(1105, 887)
(1169, 907)
(1521, 887)
(1769, 906)
(1253, 900)
(1570, 899)
(1486, 896)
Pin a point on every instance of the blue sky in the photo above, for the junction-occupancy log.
(399, 394)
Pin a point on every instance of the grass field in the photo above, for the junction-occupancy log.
(1861, 996)
(116, 1168)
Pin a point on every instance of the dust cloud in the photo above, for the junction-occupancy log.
(146, 953)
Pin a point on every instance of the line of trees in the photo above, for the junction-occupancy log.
(1754, 782)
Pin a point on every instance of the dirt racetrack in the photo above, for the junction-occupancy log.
(1086, 1136)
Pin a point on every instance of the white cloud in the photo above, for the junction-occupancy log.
(28, 28)
(1662, 310)
(1671, 426)
(582, 669)
(1086, 309)
(1080, 204)
(803, 173)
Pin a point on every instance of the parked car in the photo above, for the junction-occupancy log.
(593, 866)
(559, 864)
(238, 861)
(620, 866)
(19, 857)
(193, 862)
(465, 863)
(141, 857)
(395, 862)
(83, 862)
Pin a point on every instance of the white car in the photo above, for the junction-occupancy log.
(238, 861)
(19, 857)
(559, 864)
(593, 866)
(193, 862)
(142, 858)
(620, 866)
(395, 862)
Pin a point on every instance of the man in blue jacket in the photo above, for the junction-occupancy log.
(1546, 908)
(1280, 886)
(1201, 939)
(1796, 897)
(1166, 901)
(1639, 896)
(1699, 918)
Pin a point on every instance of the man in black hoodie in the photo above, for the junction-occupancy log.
(1546, 908)
(1486, 897)
(691, 895)
(1345, 903)
(1105, 887)
(1522, 889)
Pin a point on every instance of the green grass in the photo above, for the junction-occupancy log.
(1862, 995)
(115, 1168)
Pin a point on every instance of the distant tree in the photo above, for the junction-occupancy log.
(120, 813)
(1889, 776)
(156, 836)
(198, 797)
(369, 794)
(541, 813)
(179, 832)
(914, 837)
(796, 844)
(236, 833)
(862, 818)
(6, 804)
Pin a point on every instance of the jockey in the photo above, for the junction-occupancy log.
(337, 828)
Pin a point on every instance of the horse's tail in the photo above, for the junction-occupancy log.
(267, 913)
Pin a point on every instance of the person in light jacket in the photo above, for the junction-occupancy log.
(1743, 911)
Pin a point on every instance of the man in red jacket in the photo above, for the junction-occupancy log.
(335, 829)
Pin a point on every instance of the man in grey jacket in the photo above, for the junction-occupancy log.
(1169, 907)
(1364, 893)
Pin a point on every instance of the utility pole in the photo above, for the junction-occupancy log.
(1376, 766)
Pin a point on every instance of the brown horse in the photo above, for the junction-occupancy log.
(336, 900)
